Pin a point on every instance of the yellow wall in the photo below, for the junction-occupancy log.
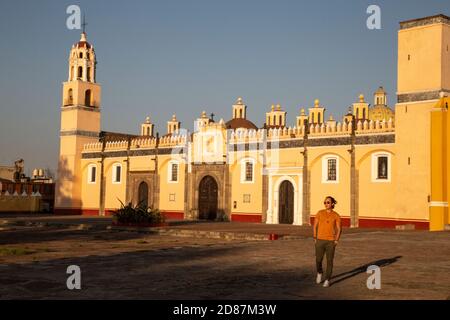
(341, 190)
(376, 199)
(238, 188)
(412, 186)
(90, 191)
(423, 71)
(115, 191)
(167, 188)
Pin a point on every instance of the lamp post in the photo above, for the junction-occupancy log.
(353, 191)
(305, 205)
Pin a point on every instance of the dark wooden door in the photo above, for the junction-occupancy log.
(143, 194)
(286, 203)
(207, 198)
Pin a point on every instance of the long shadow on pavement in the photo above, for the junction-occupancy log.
(363, 269)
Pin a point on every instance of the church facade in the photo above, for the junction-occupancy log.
(385, 167)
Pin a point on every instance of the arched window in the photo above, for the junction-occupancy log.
(148, 131)
(240, 113)
(70, 97)
(274, 120)
(81, 55)
(80, 72)
(312, 118)
(318, 118)
(172, 173)
(330, 169)
(281, 120)
(87, 98)
(381, 167)
(87, 55)
(364, 113)
(88, 74)
(92, 173)
(117, 173)
(247, 170)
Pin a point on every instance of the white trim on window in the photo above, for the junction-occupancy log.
(116, 179)
(243, 165)
(375, 157)
(325, 168)
(169, 171)
(89, 174)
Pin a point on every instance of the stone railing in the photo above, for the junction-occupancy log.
(143, 143)
(92, 147)
(172, 141)
(318, 130)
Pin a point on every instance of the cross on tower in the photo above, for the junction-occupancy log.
(84, 24)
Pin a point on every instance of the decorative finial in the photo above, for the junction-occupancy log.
(147, 120)
(278, 107)
(204, 114)
(174, 117)
(361, 98)
(316, 103)
(273, 107)
(239, 101)
(302, 112)
(331, 118)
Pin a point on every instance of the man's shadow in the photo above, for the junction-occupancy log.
(363, 269)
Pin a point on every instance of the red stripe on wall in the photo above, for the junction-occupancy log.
(175, 215)
(67, 211)
(383, 223)
(257, 218)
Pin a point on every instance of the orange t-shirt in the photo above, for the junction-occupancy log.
(327, 221)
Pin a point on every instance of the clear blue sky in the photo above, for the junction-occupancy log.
(162, 57)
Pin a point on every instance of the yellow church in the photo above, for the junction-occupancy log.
(386, 167)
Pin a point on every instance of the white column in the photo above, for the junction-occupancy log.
(85, 70)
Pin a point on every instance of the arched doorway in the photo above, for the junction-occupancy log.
(286, 203)
(143, 194)
(207, 198)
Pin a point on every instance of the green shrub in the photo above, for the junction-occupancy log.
(138, 214)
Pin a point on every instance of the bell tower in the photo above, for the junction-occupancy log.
(420, 133)
(80, 124)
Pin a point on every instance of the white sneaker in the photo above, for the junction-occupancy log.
(319, 278)
(326, 284)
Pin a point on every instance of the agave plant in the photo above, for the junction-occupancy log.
(139, 214)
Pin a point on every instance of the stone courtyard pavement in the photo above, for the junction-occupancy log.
(132, 265)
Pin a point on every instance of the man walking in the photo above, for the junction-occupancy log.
(327, 231)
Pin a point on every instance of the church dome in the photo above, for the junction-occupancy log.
(380, 113)
(237, 123)
(83, 42)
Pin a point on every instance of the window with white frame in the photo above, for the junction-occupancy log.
(92, 173)
(381, 167)
(117, 173)
(173, 171)
(247, 171)
(330, 169)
